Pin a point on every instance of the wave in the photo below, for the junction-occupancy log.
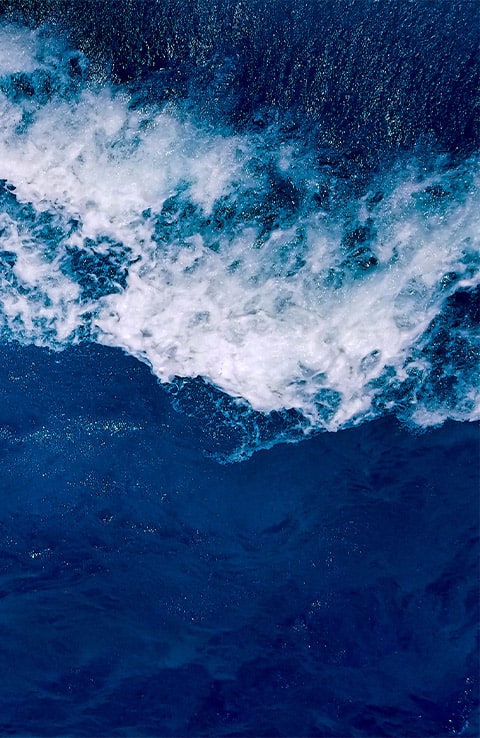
(267, 276)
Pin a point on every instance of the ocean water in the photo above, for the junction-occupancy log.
(239, 282)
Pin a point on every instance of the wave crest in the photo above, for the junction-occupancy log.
(315, 298)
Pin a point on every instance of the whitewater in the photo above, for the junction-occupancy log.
(276, 272)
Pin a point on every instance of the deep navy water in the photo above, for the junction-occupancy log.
(324, 588)
(239, 368)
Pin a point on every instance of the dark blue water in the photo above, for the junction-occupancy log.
(275, 207)
(326, 588)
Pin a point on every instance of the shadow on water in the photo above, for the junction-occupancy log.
(326, 588)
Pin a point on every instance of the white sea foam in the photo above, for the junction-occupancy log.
(242, 312)
(18, 50)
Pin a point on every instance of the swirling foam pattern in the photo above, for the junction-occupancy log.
(249, 260)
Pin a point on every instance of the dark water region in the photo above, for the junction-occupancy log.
(367, 77)
(327, 588)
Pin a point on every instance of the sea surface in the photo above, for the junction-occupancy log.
(239, 368)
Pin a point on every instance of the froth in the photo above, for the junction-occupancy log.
(227, 257)
(18, 50)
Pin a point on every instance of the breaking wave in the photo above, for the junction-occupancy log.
(270, 282)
